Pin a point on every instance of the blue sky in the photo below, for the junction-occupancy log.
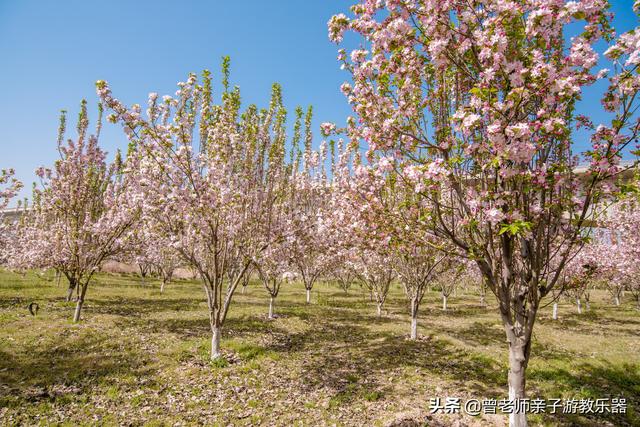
(53, 51)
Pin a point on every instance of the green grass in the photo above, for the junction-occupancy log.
(140, 357)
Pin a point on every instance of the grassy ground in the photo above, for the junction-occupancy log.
(140, 357)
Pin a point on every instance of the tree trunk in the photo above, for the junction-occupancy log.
(215, 342)
(80, 303)
(58, 275)
(579, 305)
(271, 308)
(555, 311)
(587, 305)
(308, 296)
(444, 302)
(164, 281)
(617, 300)
(517, 380)
(414, 319)
(379, 309)
(72, 287)
(143, 273)
(483, 301)
(244, 287)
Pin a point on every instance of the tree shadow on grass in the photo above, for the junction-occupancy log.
(197, 326)
(465, 368)
(47, 372)
(453, 310)
(594, 323)
(368, 361)
(604, 380)
(477, 333)
(138, 307)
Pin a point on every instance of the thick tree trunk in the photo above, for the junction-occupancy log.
(379, 309)
(308, 296)
(271, 308)
(444, 302)
(617, 300)
(80, 303)
(215, 342)
(579, 305)
(555, 311)
(517, 380)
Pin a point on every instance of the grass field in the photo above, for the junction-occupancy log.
(141, 358)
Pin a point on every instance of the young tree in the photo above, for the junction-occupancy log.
(273, 270)
(577, 287)
(356, 231)
(162, 257)
(416, 268)
(138, 251)
(473, 102)
(81, 213)
(375, 270)
(448, 282)
(273, 263)
(576, 277)
(209, 175)
(343, 275)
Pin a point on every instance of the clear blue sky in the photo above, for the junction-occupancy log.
(53, 51)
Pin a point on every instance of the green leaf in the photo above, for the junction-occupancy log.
(515, 228)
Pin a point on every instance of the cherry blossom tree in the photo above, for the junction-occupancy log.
(273, 271)
(577, 276)
(343, 274)
(416, 268)
(307, 208)
(474, 103)
(9, 187)
(448, 282)
(376, 271)
(577, 286)
(209, 176)
(163, 258)
(619, 268)
(355, 209)
(81, 213)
